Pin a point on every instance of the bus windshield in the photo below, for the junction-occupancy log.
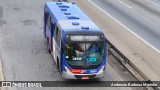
(84, 55)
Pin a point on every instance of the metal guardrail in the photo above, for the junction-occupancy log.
(125, 61)
(128, 64)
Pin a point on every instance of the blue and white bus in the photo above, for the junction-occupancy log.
(78, 46)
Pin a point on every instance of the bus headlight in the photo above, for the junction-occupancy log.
(102, 69)
(67, 70)
(73, 71)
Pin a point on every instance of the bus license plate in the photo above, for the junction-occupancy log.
(85, 77)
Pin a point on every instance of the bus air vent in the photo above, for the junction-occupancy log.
(75, 23)
(72, 17)
(73, 3)
(84, 27)
(64, 9)
(67, 13)
(59, 3)
(63, 6)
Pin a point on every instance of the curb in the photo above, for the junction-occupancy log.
(2, 75)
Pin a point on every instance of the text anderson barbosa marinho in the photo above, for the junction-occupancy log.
(133, 84)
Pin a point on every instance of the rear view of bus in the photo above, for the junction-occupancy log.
(76, 43)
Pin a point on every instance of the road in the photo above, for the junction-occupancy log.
(128, 24)
(23, 50)
(141, 17)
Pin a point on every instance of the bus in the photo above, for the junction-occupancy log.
(77, 45)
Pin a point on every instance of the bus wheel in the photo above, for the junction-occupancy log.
(58, 64)
(48, 46)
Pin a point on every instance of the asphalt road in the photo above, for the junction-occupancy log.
(141, 17)
(128, 24)
(23, 49)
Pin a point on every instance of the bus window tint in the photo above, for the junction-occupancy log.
(75, 54)
(95, 53)
(82, 55)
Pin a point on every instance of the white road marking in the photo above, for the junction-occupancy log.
(126, 27)
(152, 2)
(124, 4)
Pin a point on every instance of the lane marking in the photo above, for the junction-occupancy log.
(153, 3)
(124, 4)
(126, 27)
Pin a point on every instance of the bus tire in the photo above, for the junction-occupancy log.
(57, 63)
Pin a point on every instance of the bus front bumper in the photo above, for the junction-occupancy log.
(68, 75)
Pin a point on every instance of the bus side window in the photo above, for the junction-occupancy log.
(49, 22)
(53, 28)
(57, 35)
(45, 16)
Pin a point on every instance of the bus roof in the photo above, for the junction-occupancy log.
(69, 17)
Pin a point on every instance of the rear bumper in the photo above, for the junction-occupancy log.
(67, 75)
